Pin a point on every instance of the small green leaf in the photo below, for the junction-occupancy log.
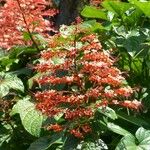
(31, 118)
(57, 60)
(92, 145)
(93, 12)
(107, 111)
(26, 36)
(32, 79)
(92, 25)
(6, 132)
(41, 39)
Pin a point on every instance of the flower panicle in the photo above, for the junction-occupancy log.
(90, 80)
(18, 17)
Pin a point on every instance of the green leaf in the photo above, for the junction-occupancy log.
(41, 39)
(117, 129)
(92, 25)
(92, 145)
(31, 118)
(5, 133)
(46, 142)
(32, 79)
(9, 81)
(2, 53)
(20, 50)
(116, 7)
(70, 140)
(40, 144)
(144, 6)
(6, 62)
(143, 137)
(127, 143)
(93, 12)
(141, 141)
(134, 120)
(66, 31)
(107, 111)
(26, 36)
(133, 16)
(57, 60)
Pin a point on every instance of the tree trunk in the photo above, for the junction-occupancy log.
(69, 10)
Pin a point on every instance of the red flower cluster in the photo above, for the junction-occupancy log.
(89, 80)
(79, 132)
(18, 16)
(95, 2)
(55, 127)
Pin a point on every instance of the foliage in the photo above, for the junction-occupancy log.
(8, 82)
(126, 29)
(68, 91)
(137, 142)
(31, 119)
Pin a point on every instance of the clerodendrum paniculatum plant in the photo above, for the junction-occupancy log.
(79, 77)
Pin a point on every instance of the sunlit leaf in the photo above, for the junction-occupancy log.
(93, 12)
(31, 118)
(9, 81)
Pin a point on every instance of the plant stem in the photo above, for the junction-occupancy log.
(30, 34)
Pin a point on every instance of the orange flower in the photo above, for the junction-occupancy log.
(55, 127)
(20, 16)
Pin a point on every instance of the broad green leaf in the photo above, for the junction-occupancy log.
(31, 118)
(44, 143)
(143, 137)
(133, 16)
(127, 143)
(141, 141)
(40, 144)
(93, 12)
(116, 6)
(107, 111)
(23, 71)
(20, 50)
(70, 140)
(134, 120)
(144, 6)
(131, 40)
(117, 129)
(9, 81)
